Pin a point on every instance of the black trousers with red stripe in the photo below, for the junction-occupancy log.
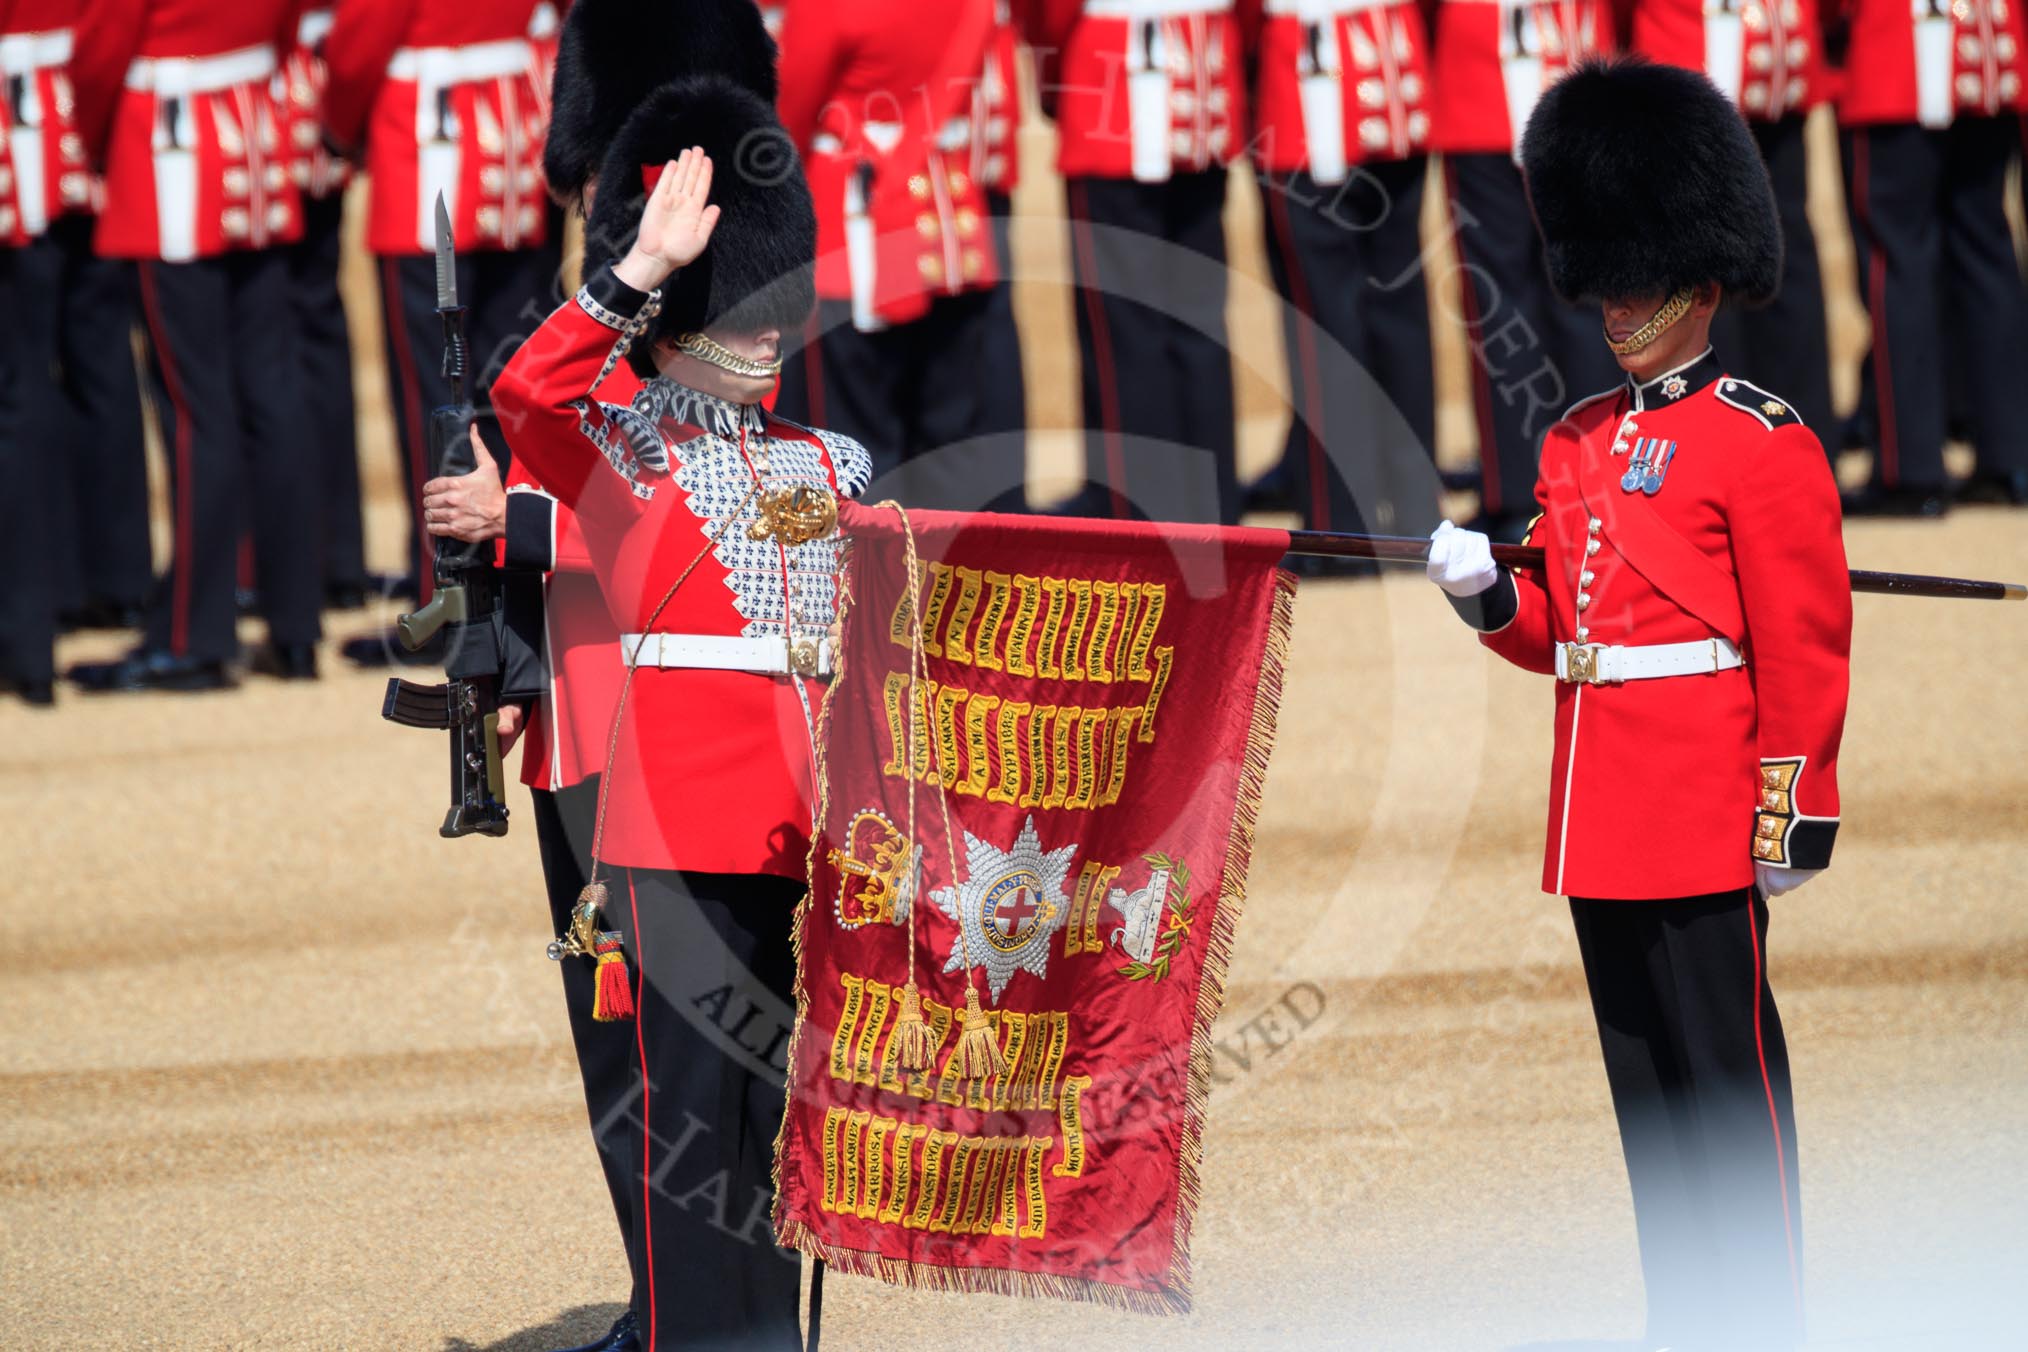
(325, 343)
(564, 822)
(507, 295)
(1347, 260)
(1700, 1083)
(1006, 395)
(917, 395)
(1786, 342)
(87, 417)
(1155, 364)
(1533, 356)
(227, 385)
(1937, 269)
(714, 972)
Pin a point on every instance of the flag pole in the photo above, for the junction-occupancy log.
(1413, 549)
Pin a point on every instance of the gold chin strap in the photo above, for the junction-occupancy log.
(1665, 318)
(707, 349)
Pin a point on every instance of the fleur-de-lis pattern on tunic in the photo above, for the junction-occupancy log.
(716, 478)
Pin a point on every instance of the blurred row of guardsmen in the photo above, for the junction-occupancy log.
(182, 166)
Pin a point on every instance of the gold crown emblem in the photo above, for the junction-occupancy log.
(877, 872)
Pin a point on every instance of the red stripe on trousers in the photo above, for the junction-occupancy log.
(1306, 343)
(1887, 435)
(1774, 1121)
(179, 595)
(647, 1133)
(1490, 497)
(411, 402)
(1102, 351)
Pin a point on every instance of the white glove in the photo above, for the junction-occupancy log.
(1774, 881)
(1461, 561)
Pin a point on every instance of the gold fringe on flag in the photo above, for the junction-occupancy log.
(1260, 745)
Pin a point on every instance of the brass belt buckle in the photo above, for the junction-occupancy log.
(1580, 664)
(803, 657)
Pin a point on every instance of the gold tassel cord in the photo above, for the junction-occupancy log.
(911, 1030)
(978, 1050)
(979, 1055)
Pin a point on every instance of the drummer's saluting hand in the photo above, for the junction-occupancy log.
(676, 223)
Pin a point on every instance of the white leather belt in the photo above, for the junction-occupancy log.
(1600, 664)
(462, 65)
(174, 75)
(1153, 9)
(721, 652)
(21, 53)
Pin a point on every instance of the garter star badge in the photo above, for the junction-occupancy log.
(1675, 387)
(1009, 904)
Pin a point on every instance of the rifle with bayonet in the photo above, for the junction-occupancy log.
(1415, 549)
(464, 606)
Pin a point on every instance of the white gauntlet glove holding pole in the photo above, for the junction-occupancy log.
(1461, 561)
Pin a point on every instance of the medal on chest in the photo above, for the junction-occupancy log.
(1651, 459)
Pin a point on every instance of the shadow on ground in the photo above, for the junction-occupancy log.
(571, 1328)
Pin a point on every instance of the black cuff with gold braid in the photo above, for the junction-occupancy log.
(1782, 836)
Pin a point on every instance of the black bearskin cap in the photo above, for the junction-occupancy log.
(759, 271)
(1643, 179)
(614, 53)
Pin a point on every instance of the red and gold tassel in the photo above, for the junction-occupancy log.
(613, 995)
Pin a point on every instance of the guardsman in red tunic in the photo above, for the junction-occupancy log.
(324, 336)
(1150, 107)
(1930, 109)
(707, 804)
(77, 508)
(175, 98)
(1767, 56)
(87, 423)
(1695, 610)
(881, 106)
(1342, 127)
(1531, 354)
(439, 96)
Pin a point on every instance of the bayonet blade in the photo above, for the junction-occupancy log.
(447, 271)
